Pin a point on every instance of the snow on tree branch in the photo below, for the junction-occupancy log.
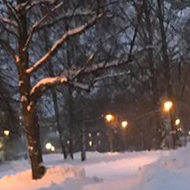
(73, 72)
(8, 21)
(42, 85)
(80, 85)
(59, 42)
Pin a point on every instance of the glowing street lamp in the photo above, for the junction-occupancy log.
(6, 132)
(90, 143)
(167, 106)
(109, 117)
(52, 148)
(48, 146)
(124, 124)
(177, 122)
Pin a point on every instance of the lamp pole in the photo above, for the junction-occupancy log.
(124, 125)
(167, 109)
(109, 118)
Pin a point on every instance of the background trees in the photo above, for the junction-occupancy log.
(125, 57)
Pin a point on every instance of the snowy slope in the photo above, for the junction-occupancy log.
(155, 170)
(168, 173)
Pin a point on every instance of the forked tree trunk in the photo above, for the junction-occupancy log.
(32, 132)
(28, 106)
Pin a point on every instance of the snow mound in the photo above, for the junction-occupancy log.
(54, 177)
(169, 172)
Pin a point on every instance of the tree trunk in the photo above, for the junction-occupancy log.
(59, 128)
(110, 136)
(83, 141)
(35, 152)
(28, 106)
(166, 61)
(54, 97)
(70, 123)
(33, 138)
(165, 56)
(153, 70)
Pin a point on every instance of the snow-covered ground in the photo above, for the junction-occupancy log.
(154, 170)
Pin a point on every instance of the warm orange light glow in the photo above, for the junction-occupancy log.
(167, 106)
(177, 121)
(6, 132)
(109, 117)
(124, 124)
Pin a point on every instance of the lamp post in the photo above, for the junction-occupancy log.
(167, 109)
(177, 122)
(6, 132)
(124, 124)
(167, 106)
(109, 118)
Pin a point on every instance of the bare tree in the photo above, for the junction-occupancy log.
(23, 31)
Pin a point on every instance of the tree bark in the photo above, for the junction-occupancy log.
(56, 108)
(70, 122)
(83, 140)
(59, 128)
(70, 99)
(28, 106)
(153, 70)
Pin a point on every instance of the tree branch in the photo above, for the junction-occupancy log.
(12, 10)
(8, 48)
(59, 42)
(38, 23)
(41, 86)
(74, 72)
(8, 21)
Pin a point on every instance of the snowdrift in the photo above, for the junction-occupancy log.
(170, 172)
(55, 176)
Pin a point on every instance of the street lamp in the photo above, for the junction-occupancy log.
(177, 122)
(172, 132)
(6, 132)
(167, 106)
(109, 117)
(124, 124)
(52, 148)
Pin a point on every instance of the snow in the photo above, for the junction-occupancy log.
(147, 170)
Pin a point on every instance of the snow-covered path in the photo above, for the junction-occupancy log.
(120, 167)
(113, 171)
(120, 171)
(154, 170)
